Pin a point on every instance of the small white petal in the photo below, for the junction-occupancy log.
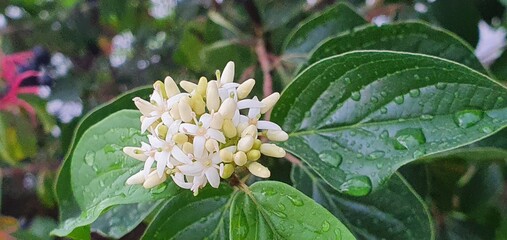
(250, 103)
(189, 128)
(160, 168)
(199, 142)
(179, 155)
(133, 152)
(147, 166)
(228, 73)
(147, 122)
(178, 178)
(137, 178)
(213, 177)
(215, 134)
(170, 87)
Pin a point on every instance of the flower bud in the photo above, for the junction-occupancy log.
(229, 129)
(242, 126)
(144, 106)
(137, 178)
(159, 86)
(171, 88)
(240, 158)
(188, 86)
(162, 131)
(269, 102)
(259, 170)
(245, 88)
(135, 152)
(202, 85)
(153, 180)
(211, 145)
(198, 104)
(245, 143)
(253, 155)
(272, 150)
(250, 130)
(216, 121)
(227, 171)
(228, 73)
(180, 138)
(185, 109)
(226, 155)
(212, 97)
(175, 112)
(257, 144)
(188, 148)
(228, 108)
(277, 135)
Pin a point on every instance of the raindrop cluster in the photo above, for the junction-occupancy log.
(204, 133)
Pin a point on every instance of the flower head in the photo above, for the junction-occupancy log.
(200, 136)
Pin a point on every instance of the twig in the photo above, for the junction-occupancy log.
(291, 158)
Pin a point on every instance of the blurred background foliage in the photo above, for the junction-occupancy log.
(101, 48)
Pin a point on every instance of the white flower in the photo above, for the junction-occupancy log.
(254, 113)
(491, 43)
(202, 132)
(161, 151)
(203, 170)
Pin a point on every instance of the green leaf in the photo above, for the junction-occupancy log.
(275, 210)
(48, 122)
(213, 56)
(318, 27)
(357, 117)
(395, 212)
(67, 205)
(205, 216)
(18, 140)
(416, 37)
(99, 169)
(122, 219)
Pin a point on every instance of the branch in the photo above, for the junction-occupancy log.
(291, 158)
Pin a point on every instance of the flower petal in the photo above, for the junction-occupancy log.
(147, 166)
(215, 134)
(189, 128)
(198, 143)
(213, 177)
(179, 155)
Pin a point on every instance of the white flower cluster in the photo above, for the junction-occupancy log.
(200, 135)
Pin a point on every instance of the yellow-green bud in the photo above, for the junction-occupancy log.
(162, 131)
(198, 104)
(245, 143)
(245, 88)
(187, 148)
(171, 88)
(277, 135)
(240, 158)
(259, 170)
(250, 131)
(188, 86)
(253, 155)
(229, 129)
(180, 138)
(202, 85)
(226, 155)
(272, 150)
(228, 171)
(269, 102)
(212, 97)
(257, 144)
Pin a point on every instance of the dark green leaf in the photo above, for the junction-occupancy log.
(357, 117)
(316, 28)
(205, 216)
(395, 212)
(270, 12)
(122, 219)
(275, 210)
(416, 37)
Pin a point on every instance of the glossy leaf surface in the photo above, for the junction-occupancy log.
(416, 37)
(394, 212)
(357, 117)
(274, 210)
(205, 216)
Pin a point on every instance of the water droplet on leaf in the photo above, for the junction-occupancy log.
(356, 186)
(414, 93)
(90, 158)
(399, 99)
(325, 226)
(468, 118)
(376, 154)
(332, 158)
(295, 200)
(409, 138)
(356, 96)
